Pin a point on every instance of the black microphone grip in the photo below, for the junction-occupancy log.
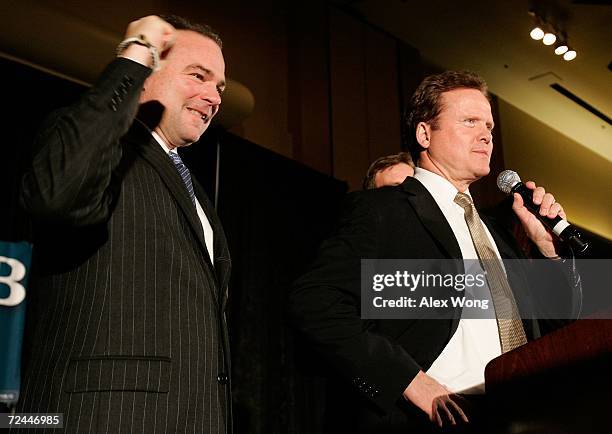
(558, 225)
(527, 196)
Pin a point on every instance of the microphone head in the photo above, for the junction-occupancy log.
(506, 180)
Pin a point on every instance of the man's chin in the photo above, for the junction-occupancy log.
(192, 138)
(485, 169)
(482, 172)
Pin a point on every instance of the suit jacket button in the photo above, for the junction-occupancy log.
(114, 104)
(222, 378)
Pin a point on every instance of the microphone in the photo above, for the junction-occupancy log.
(509, 182)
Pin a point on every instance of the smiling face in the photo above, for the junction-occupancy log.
(189, 86)
(459, 142)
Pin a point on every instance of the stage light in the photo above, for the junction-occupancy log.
(549, 25)
(570, 55)
(549, 39)
(537, 33)
(561, 48)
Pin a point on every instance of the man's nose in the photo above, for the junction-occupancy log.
(486, 136)
(210, 94)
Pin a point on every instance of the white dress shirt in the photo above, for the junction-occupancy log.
(460, 366)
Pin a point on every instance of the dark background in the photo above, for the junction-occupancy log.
(275, 212)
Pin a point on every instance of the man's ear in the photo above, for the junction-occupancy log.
(423, 134)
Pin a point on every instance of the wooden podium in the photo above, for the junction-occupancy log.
(560, 383)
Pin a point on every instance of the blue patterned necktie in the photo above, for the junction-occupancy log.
(184, 172)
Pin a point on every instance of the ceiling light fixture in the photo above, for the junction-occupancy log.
(549, 26)
(549, 38)
(537, 33)
(561, 46)
(570, 55)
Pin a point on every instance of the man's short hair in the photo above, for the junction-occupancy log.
(426, 103)
(181, 23)
(383, 163)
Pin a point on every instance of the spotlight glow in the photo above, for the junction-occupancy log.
(570, 55)
(537, 33)
(561, 49)
(549, 39)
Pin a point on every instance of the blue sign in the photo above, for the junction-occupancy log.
(15, 259)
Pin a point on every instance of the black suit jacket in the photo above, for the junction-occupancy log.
(373, 361)
(127, 329)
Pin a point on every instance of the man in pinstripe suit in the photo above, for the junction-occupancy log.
(126, 329)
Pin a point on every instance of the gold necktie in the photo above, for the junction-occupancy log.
(511, 331)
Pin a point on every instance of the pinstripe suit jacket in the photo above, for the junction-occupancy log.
(126, 331)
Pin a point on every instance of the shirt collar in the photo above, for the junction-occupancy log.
(158, 139)
(442, 190)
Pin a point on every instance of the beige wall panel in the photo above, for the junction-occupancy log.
(295, 70)
(309, 111)
(580, 180)
(255, 47)
(254, 37)
(382, 95)
(348, 98)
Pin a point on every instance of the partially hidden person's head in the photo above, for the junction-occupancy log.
(389, 170)
(189, 83)
(450, 126)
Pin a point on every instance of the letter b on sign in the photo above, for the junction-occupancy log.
(16, 292)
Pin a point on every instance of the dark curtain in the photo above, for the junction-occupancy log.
(275, 212)
(28, 96)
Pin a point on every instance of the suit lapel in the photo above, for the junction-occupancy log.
(220, 249)
(435, 223)
(151, 151)
(431, 217)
